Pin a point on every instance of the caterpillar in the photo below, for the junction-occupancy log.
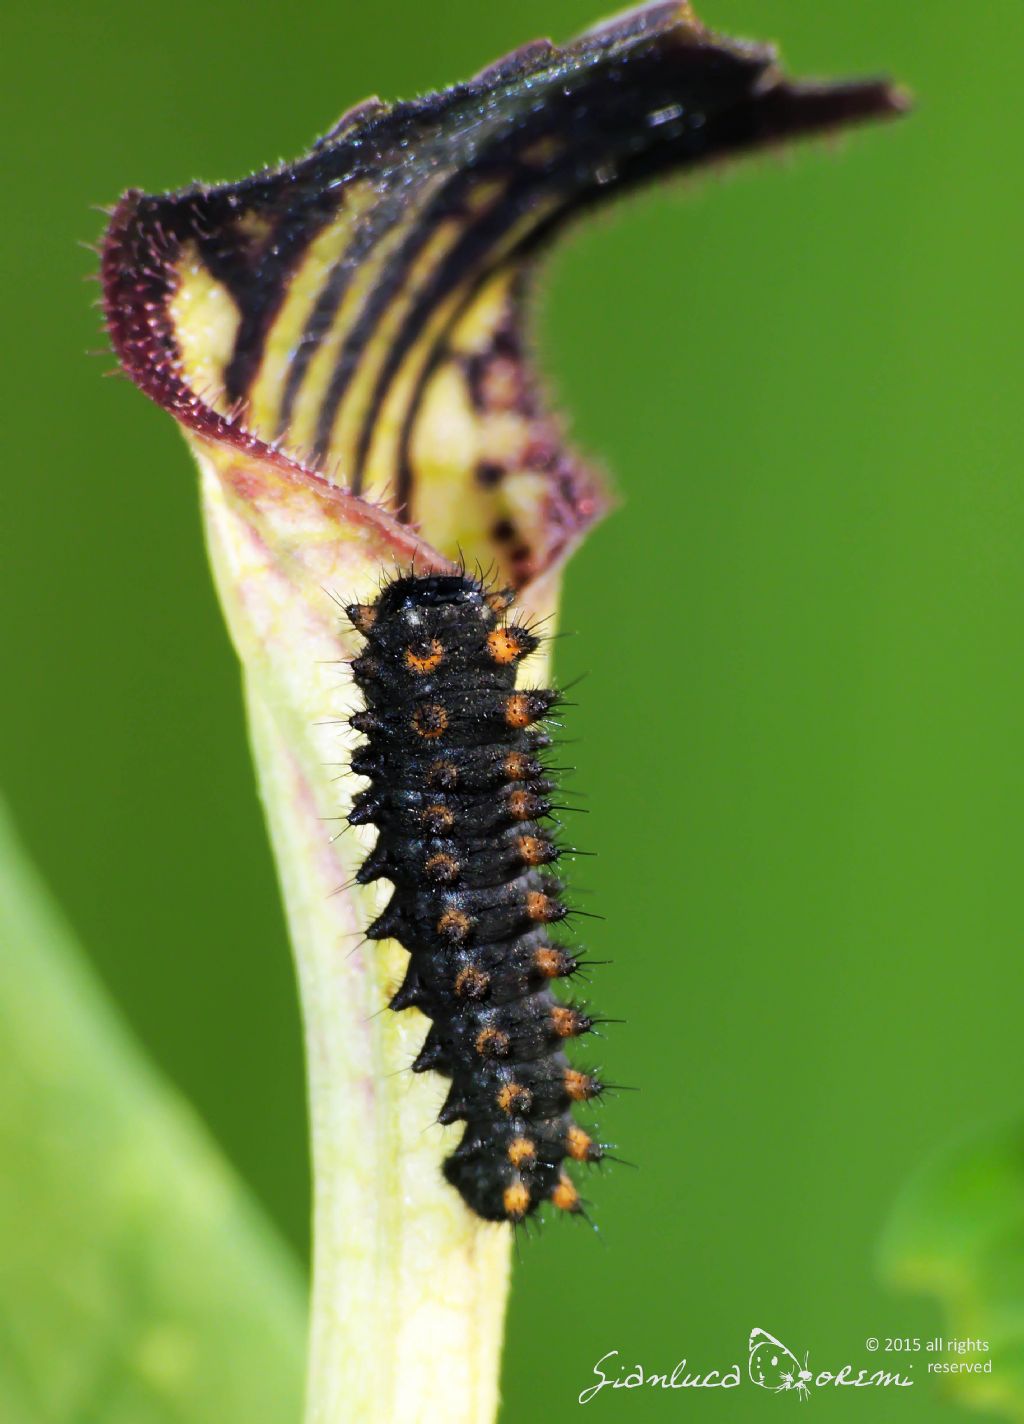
(460, 795)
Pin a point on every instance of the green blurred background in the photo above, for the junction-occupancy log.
(799, 733)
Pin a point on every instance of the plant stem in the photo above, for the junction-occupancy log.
(409, 1287)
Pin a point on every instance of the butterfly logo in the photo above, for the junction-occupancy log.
(773, 1366)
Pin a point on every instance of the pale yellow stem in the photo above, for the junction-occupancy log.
(409, 1287)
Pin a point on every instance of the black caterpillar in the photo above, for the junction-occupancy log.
(459, 794)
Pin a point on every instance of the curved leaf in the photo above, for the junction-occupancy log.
(361, 312)
(139, 1282)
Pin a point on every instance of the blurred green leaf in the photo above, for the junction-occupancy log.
(138, 1280)
(957, 1234)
